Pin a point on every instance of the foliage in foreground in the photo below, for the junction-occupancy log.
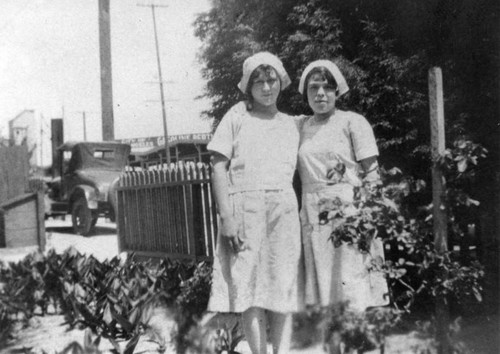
(399, 213)
(115, 298)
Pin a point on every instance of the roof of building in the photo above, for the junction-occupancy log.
(20, 114)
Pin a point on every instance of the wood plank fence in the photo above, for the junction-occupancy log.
(21, 207)
(14, 169)
(167, 213)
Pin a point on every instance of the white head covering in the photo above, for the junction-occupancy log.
(332, 68)
(266, 58)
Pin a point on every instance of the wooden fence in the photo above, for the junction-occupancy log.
(13, 172)
(167, 213)
(21, 207)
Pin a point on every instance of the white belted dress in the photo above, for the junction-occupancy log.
(263, 155)
(332, 274)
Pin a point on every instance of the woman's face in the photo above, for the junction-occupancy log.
(266, 88)
(321, 94)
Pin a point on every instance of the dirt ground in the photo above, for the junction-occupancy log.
(49, 334)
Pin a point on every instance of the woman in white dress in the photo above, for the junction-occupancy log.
(337, 150)
(256, 267)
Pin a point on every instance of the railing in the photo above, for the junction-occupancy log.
(167, 213)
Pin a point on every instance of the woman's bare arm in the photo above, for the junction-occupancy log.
(370, 169)
(228, 226)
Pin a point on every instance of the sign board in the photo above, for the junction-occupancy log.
(145, 144)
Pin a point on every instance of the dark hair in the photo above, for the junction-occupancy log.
(266, 70)
(326, 75)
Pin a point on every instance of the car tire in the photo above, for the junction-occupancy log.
(95, 216)
(81, 217)
(112, 215)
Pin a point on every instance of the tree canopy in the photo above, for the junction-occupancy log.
(384, 49)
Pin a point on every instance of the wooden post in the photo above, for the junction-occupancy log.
(40, 219)
(108, 130)
(57, 138)
(438, 189)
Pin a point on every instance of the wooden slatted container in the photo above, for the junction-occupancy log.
(22, 219)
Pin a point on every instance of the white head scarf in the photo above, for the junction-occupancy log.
(332, 68)
(263, 58)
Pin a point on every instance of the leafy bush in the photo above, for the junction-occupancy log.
(31, 286)
(191, 303)
(115, 298)
(362, 330)
(202, 340)
(90, 345)
(397, 213)
(8, 307)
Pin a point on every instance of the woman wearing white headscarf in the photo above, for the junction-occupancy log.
(257, 259)
(337, 150)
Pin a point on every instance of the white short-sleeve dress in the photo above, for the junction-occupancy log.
(336, 274)
(263, 155)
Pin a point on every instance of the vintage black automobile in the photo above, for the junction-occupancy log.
(86, 183)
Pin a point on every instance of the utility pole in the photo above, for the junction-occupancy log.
(57, 139)
(106, 77)
(85, 127)
(164, 114)
(41, 140)
(84, 121)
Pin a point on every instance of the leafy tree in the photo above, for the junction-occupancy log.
(233, 30)
(405, 37)
(384, 48)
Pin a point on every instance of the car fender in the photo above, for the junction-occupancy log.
(88, 192)
(112, 194)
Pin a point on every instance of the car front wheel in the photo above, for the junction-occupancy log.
(81, 216)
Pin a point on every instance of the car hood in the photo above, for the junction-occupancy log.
(98, 178)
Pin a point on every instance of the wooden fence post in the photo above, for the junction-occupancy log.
(438, 189)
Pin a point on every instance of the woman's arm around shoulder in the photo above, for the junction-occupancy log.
(299, 120)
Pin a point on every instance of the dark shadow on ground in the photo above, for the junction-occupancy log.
(99, 230)
(481, 334)
(59, 229)
(105, 230)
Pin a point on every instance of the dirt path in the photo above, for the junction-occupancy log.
(59, 236)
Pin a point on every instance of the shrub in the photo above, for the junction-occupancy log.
(115, 298)
(190, 305)
(394, 212)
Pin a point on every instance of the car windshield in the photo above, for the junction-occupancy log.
(99, 156)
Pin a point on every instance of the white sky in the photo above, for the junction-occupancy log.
(49, 59)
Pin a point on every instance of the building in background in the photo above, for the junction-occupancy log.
(22, 131)
(150, 153)
(28, 128)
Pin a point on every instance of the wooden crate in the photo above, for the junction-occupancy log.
(13, 172)
(22, 221)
